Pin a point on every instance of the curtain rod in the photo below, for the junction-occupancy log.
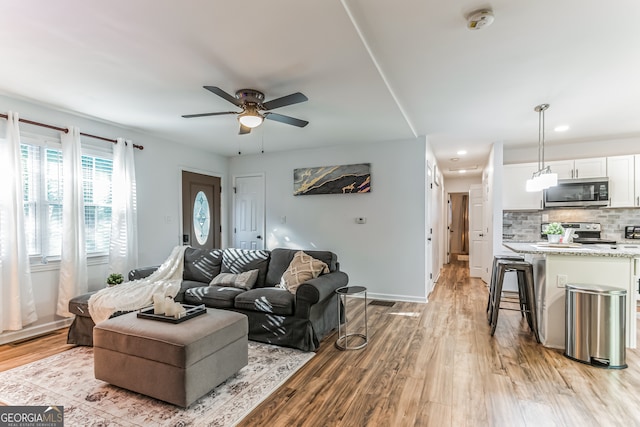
(65, 130)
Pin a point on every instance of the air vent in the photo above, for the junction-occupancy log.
(383, 303)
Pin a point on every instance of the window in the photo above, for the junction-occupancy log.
(43, 188)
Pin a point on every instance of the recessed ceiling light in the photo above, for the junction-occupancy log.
(454, 159)
(561, 128)
(462, 171)
(461, 152)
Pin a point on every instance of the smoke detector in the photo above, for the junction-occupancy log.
(479, 19)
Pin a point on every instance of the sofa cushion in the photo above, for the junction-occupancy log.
(80, 305)
(241, 260)
(303, 267)
(201, 265)
(266, 300)
(244, 280)
(281, 258)
(212, 296)
(184, 286)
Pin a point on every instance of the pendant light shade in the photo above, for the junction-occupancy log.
(543, 178)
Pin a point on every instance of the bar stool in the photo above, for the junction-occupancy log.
(526, 293)
(492, 283)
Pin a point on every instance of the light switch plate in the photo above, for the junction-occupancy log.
(361, 220)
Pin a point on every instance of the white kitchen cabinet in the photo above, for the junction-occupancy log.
(621, 181)
(580, 168)
(514, 193)
(564, 168)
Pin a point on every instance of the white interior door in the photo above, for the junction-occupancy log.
(249, 212)
(429, 233)
(449, 221)
(476, 235)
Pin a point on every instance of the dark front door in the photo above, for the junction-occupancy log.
(201, 210)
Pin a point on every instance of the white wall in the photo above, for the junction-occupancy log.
(387, 254)
(158, 173)
(461, 184)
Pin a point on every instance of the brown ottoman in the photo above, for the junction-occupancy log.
(177, 363)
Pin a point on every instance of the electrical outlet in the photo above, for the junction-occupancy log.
(562, 280)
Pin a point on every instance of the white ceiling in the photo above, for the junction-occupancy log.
(373, 70)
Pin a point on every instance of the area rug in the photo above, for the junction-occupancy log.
(67, 380)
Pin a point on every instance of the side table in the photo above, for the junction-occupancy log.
(342, 343)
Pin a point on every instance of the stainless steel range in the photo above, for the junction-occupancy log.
(584, 232)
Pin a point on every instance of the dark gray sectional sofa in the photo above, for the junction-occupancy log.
(276, 316)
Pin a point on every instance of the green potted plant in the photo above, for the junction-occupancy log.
(554, 232)
(114, 279)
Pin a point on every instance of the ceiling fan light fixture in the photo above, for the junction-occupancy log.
(250, 118)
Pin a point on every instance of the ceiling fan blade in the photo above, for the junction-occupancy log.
(286, 119)
(222, 94)
(294, 98)
(190, 116)
(244, 129)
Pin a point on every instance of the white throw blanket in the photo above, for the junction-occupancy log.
(138, 294)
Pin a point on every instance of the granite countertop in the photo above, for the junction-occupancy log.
(622, 250)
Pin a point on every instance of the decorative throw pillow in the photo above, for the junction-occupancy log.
(303, 267)
(244, 280)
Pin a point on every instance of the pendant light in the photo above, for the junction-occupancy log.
(543, 178)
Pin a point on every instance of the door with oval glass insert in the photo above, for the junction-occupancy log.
(200, 210)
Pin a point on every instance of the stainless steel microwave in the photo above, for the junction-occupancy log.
(581, 193)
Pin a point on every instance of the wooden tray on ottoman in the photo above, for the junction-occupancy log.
(192, 311)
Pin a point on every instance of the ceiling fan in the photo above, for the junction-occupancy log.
(254, 109)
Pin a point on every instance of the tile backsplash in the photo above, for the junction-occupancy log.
(525, 225)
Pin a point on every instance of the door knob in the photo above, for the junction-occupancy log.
(259, 237)
(481, 235)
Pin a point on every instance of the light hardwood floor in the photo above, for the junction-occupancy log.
(436, 365)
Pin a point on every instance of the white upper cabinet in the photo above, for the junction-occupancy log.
(564, 168)
(514, 193)
(621, 181)
(590, 168)
(581, 168)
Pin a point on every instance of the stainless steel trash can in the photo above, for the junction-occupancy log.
(595, 325)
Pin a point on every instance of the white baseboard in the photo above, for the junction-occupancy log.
(33, 331)
(399, 298)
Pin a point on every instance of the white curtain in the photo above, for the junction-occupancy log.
(123, 249)
(73, 262)
(17, 305)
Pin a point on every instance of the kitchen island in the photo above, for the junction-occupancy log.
(557, 265)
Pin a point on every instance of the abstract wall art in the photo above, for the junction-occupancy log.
(332, 179)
